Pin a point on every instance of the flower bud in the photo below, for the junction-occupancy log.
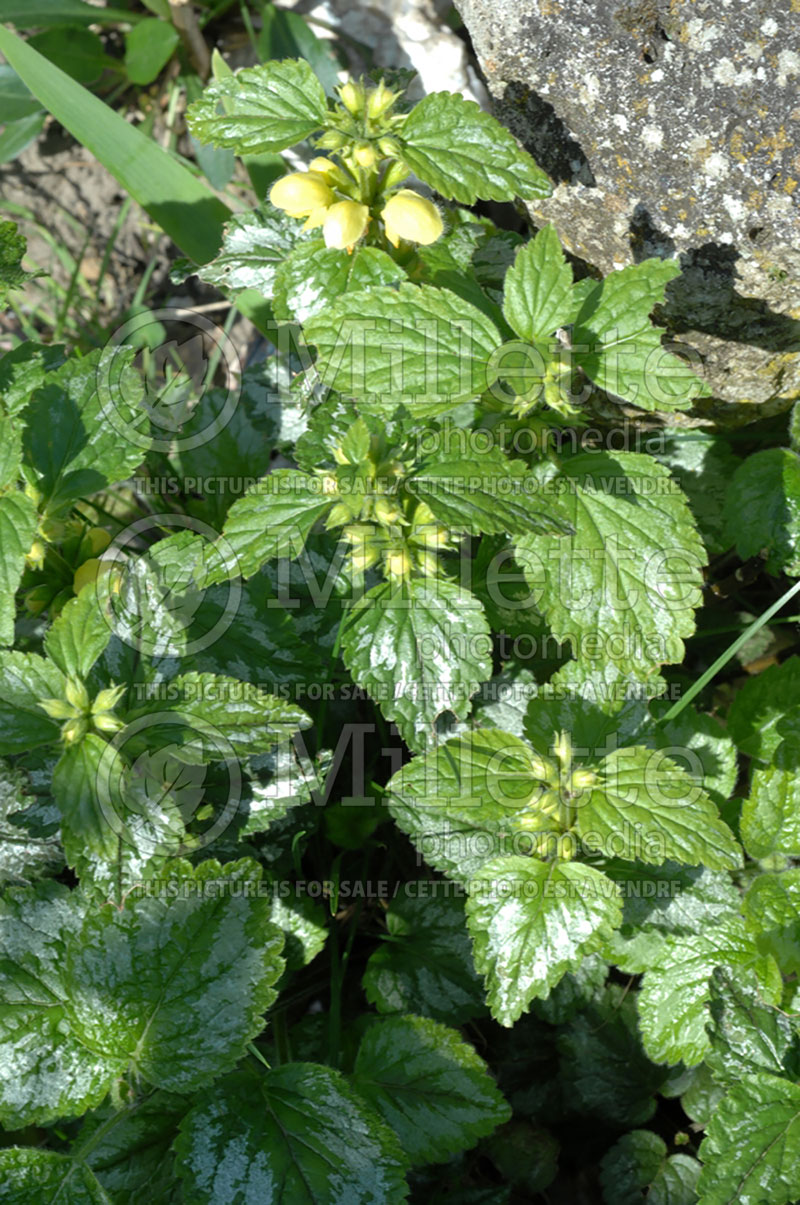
(386, 511)
(331, 140)
(409, 216)
(77, 694)
(57, 709)
(352, 97)
(398, 564)
(431, 537)
(331, 171)
(380, 100)
(329, 485)
(107, 699)
(428, 564)
(582, 779)
(104, 721)
(562, 748)
(362, 559)
(301, 193)
(338, 515)
(365, 155)
(391, 148)
(345, 223)
(74, 731)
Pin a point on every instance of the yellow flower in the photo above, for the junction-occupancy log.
(407, 215)
(88, 572)
(301, 193)
(35, 557)
(344, 224)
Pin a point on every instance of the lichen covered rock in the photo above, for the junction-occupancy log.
(670, 129)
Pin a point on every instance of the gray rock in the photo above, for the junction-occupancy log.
(670, 129)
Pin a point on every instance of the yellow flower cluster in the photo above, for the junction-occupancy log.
(311, 195)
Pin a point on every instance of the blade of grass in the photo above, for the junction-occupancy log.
(730, 651)
(181, 204)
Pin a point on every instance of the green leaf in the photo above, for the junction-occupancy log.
(624, 587)
(28, 1175)
(18, 521)
(273, 519)
(772, 906)
(23, 853)
(79, 52)
(638, 1163)
(262, 642)
(598, 706)
(747, 1036)
(47, 1072)
(630, 1166)
(397, 642)
(264, 108)
(704, 745)
(79, 635)
(662, 902)
(285, 34)
(170, 988)
(425, 965)
(760, 706)
(486, 494)
(183, 205)
(254, 245)
(64, 12)
(458, 802)
(300, 1134)
(149, 47)
(762, 509)
(465, 153)
(770, 822)
(538, 295)
(17, 103)
(72, 443)
(227, 442)
(533, 921)
(177, 986)
(209, 715)
(87, 808)
(23, 370)
(575, 993)
(12, 249)
(645, 806)
(128, 1148)
(674, 992)
(416, 344)
(702, 463)
(25, 678)
(751, 1151)
(603, 1067)
(428, 1085)
(619, 349)
(312, 274)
